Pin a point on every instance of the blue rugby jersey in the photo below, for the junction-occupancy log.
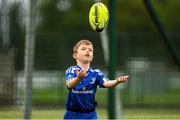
(82, 97)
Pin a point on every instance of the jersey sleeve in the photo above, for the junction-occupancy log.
(70, 73)
(101, 78)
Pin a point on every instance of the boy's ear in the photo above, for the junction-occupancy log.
(74, 55)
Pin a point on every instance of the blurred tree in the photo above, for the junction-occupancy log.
(54, 31)
(0, 34)
(56, 25)
(168, 13)
(134, 17)
(53, 19)
(17, 35)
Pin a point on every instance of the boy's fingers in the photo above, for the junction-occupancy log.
(76, 71)
(81, 73)
(126, 77)
(123, 78)
(84, 72)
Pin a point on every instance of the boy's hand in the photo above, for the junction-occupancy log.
(122, 79)
(81, 74)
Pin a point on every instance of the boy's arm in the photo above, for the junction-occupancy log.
(80, 75)
(113, 83)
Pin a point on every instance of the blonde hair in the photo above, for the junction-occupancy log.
(76, 46)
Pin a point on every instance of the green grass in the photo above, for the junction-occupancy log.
(129, 113)
(150, 113)
(166, 99)
(56, 96)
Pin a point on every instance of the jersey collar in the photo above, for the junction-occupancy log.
(90, 68)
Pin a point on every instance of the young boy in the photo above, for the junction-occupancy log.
(82, 81)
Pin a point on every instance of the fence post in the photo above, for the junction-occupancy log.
(29, 59)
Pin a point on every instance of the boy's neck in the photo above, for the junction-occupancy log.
(84, 66)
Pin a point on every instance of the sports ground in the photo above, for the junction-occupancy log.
(129, 113)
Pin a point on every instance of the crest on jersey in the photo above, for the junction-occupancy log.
(92, 80)
(84, 88)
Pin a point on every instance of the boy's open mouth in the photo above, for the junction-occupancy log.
(87, 55)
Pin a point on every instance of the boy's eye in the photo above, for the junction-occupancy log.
(83, 48)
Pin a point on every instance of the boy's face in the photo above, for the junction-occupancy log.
(84, 54)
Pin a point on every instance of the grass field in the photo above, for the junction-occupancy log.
(129, 113)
